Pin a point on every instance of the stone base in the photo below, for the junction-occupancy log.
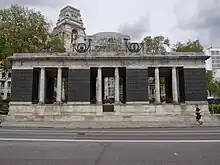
(2, 118)
(151, 113)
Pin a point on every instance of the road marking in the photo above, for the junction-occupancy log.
(110, 141)
(113, 131)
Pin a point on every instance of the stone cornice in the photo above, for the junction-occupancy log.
(65, 21)
(105, 56)
(69, 7)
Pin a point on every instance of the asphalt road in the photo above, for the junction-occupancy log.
(197, 146)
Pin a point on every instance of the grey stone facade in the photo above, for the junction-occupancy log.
(5, 83)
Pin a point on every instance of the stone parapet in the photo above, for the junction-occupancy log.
(107, 55)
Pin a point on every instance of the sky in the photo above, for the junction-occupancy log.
(179, 20)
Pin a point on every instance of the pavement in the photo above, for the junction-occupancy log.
(138, 146)
(106, 124)
(213, 122)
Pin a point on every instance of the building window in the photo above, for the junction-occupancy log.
(217, 52)
(74, 35)
(2, 94)
(9, 84)
(9, 75)
(8, 95)
(3, 74)
(2, 84)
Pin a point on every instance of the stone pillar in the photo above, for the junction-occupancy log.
(63, 89)
(42, 86)
(59, 85)
(99, 86)
(157, 84)
(174, 85)
(117, 97)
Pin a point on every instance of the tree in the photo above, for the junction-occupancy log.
(209, 77)
(217, 92)
(190, 46)
(156, 45)
(211, 85)
(4, 105)
(25, 31)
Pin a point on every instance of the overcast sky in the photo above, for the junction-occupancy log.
(178, 20)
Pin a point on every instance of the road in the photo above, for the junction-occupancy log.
(180, 146)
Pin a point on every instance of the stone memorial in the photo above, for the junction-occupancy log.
(105, 77)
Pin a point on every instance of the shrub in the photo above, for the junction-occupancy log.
(4, 107)
(214, 108)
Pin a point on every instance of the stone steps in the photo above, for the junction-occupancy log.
(103, 117)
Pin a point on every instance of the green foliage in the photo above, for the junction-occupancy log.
(55, 44)
(25, 31)
(209, 77)
(214, 108)
(213, 86)
(4, 105)
(190, 46)
(217, 88)
(156, 45)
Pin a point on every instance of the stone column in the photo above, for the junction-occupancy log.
(117, 99)
(99, 86)
(174, 85)
(59, 85)
(42, 86)
(63, 89)
(157, 84)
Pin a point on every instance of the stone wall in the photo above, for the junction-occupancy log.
(79, 85)
(195, 84)
(137, 85)
(168, 113)
(21, 89)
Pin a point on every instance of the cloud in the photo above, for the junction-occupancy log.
(45, 3)
(137, 29)
(205, 21)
